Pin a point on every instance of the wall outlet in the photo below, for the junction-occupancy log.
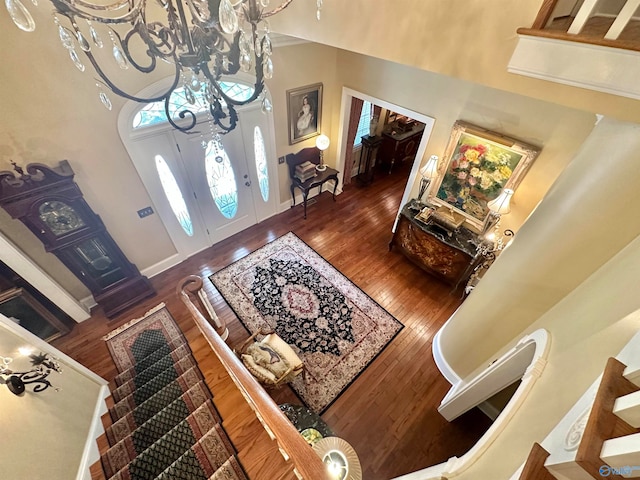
(280, 160)
(145, 212)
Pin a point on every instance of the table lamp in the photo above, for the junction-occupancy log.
(428, 172)
(322, 142)
(497, 207)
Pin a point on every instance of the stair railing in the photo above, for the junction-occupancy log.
(307, 465)
(609, 446)
(575, 19)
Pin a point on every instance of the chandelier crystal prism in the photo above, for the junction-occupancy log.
(202, 41)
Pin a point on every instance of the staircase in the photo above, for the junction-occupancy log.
(606, 443)
(163, 423)
(593, 44)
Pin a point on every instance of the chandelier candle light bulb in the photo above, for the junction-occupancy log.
(202, 46)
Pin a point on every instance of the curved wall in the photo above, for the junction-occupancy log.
(584, 220)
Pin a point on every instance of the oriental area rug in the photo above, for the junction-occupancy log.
(334, 327)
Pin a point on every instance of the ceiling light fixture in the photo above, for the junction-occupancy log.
(202, 40)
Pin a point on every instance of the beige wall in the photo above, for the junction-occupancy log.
(468, 39)
(44, 434)
(587, 327)
(297, 66)
(558, 130)
(584, 220)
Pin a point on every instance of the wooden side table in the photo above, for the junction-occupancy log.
(398, 146)
(367, 158)
(317, 181)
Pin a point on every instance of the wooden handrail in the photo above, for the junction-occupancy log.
(544, 14)
(589, 39)
(307, 465)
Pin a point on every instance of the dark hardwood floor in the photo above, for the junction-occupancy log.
(389, 413)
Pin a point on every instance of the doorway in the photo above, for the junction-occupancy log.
(345, 141)
(206, 187)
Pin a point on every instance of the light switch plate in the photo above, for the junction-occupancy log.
(145, 212)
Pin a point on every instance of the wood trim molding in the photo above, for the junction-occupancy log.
(544, 14)
(603, 424)
(591, 40)
(534, 468)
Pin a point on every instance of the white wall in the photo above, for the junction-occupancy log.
(48, 435)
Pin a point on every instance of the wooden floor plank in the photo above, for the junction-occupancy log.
(389, 413)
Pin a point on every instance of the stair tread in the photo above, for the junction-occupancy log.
(159, 400)
(139, 368)
(191, 399)
(146, 379)
(165, 450)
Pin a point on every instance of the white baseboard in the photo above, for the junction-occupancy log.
(162, 265)
(88, 302)
(286, 205)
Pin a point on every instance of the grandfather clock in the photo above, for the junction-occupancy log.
(51, 205)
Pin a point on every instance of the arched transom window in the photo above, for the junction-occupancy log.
(153, 113)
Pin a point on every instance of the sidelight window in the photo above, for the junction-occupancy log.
(174, 195)
(221, 179)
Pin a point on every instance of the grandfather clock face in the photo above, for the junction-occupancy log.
(60, 217)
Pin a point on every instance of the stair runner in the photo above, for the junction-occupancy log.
(165, 425)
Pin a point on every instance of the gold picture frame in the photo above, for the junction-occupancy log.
(478, 165)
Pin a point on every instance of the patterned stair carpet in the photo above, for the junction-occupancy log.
(165, 425)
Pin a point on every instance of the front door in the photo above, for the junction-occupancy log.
(207, 188)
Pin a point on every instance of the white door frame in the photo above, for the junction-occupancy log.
(129, 109)
(345, 113)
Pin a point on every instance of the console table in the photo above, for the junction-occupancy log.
(399, 145)
(449, 256)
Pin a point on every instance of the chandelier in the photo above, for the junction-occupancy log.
(201, 40)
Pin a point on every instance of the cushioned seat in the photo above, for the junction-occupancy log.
(271, 360)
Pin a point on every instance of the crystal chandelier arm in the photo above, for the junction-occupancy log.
(277, 9)
(182, 114)
(122, 93)
(165, 38)
(258, 85)
(217, 112)
(71, 8)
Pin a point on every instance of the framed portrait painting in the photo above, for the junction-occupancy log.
(478, 165)
(304, 107)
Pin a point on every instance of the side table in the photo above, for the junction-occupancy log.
(317, 181)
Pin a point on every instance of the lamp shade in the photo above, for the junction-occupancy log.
(322, 142)
(430, 169)
(500, 204)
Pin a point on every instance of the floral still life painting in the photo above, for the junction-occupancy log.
(480, 165)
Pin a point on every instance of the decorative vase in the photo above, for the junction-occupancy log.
(373, 126)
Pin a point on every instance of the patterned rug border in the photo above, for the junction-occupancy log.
(382, 349)
(131, 323)
(159, 317)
